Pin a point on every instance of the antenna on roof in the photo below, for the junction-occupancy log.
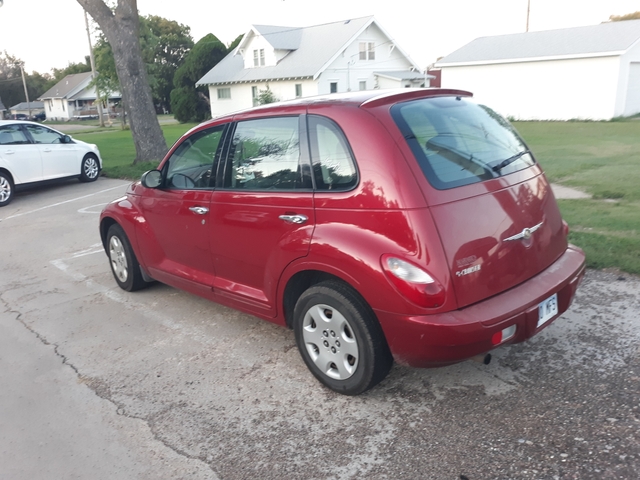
(344, 22)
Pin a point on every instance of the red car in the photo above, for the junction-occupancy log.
(412, 225)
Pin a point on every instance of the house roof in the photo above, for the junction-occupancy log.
(27, 106)
(605, 39)
(312, 49)
(68, 86)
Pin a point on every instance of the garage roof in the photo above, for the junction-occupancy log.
(611, 38)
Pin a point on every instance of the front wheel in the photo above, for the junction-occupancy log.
(90, 168)
(123, 261)
(6, 189)
(339, 338)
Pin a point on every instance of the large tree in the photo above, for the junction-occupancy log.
(121, 26)
(188, 103)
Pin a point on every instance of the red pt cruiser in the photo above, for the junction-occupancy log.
(413, 225)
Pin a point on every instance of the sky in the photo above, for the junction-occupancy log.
(48, 34)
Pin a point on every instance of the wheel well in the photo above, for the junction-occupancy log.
(8, 174)
(300, 282)
(104, 228)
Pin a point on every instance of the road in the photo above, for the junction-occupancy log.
(99, 383)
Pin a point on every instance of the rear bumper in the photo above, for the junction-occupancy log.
(442, 339)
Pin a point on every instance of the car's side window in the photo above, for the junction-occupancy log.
(333, 164)
(265, 154)
(192, 166)
(43, 134)
(12, 135)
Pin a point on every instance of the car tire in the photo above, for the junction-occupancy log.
(340, 339)
(123, 261)
(90, 168)
(6, 189)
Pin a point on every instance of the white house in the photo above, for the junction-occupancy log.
(295, 62)
(73, 97)
(588, 72)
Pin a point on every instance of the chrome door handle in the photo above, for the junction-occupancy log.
(294, 218)
(199, 210)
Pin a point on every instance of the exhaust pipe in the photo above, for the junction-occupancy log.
(484, 359)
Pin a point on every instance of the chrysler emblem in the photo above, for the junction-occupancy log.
(524, 234)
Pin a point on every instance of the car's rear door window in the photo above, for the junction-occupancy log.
(12, 135)
(458, 142)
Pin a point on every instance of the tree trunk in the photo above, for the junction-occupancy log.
(121, 27)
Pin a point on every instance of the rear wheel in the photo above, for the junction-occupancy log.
(339, 338)
(123, 261)
(6, 189)
(90, 168)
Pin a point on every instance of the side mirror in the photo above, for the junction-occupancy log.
(66, 139)
(151, 179)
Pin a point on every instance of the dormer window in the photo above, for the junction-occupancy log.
(258, 57)
(367, 51)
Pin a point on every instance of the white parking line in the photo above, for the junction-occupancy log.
(93, 249)
(118, 296)
(62, 203)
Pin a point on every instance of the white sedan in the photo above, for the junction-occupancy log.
(31, 153)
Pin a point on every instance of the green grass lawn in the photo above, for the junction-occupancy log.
(599, 158)
(602, 159)
(118, 151)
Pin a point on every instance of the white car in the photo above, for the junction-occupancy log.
(31, 153)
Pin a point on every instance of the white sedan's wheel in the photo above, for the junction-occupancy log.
(6, 189)
(90, 169)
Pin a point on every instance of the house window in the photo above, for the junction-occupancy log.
(298, 90)
(258, 58)
(367, 51)
(362, 85)
(224, 93)
(333, 87)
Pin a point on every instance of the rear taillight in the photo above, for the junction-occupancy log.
(565, 228)
(413, 282)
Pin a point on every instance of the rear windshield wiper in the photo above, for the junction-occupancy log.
(508, 161)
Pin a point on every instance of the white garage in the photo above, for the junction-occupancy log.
(588, 72)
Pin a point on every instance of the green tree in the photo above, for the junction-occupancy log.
(70, 69)
(164, 45)
(168, 44)
(628, 16)
(11, 86)
(266, 96)
(188, 103)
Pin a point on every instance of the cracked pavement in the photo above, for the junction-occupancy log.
(100, 383)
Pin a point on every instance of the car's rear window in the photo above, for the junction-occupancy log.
(458, 142)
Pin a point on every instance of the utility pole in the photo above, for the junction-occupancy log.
(528, 8)
(26, 93)
(93, 70)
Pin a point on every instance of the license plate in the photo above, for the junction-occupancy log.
(547, 309)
